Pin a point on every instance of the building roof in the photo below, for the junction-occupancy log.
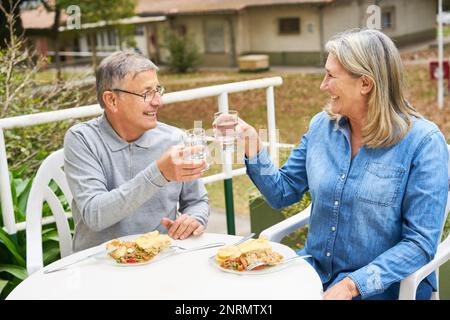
(169, 7)
(40, 18)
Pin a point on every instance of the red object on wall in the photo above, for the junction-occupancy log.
(434, 66)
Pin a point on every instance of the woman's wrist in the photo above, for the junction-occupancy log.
(252, 142)
(351, 285)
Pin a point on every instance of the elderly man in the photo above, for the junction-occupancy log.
(124, 168)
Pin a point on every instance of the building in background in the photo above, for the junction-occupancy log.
(291, 32)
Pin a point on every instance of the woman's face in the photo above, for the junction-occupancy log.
(344, 89)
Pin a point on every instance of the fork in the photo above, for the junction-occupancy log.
(249, 236)
(259, 263)
(206, 246)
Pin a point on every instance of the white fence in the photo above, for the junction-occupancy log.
(219, 91)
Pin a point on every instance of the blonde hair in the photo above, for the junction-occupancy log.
(372, 54)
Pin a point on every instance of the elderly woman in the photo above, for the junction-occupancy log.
(376, 171)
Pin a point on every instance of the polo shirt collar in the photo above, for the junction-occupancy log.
(115, 142)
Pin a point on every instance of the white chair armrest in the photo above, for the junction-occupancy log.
(280, 230)
(408, 286)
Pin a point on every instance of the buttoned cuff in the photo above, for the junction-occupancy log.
(154, 175)
(368, 281)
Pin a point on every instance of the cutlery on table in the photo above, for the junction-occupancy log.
(260, 264)
(61, 267)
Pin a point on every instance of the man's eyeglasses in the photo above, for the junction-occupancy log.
(148, 95)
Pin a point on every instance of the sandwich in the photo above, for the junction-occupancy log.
(238, 257)
(143, 249)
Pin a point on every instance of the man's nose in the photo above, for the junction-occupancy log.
(156, 101)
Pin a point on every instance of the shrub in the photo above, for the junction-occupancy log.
(184, 55)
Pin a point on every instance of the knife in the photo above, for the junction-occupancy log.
(61, 267)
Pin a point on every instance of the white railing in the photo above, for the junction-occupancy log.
(219, 91)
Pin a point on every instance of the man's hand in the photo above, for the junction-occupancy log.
(343, 290)
(182, 227)
(174, 168)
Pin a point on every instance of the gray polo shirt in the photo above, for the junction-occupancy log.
(117, 187)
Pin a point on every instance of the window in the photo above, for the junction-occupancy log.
(111, 37)
(289, 26)
(214, 37)
(388, 18)
(139, 30)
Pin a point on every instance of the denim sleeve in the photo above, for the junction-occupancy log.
(281, 187)
(423, 209)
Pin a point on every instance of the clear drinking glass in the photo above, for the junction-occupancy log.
(225, 128)
(197, 137)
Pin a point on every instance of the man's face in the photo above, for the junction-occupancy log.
(133, 113)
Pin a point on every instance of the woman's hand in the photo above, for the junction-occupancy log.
(343, 290)
(250, 136)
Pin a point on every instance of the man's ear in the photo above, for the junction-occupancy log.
(366, 85)
(110, 101)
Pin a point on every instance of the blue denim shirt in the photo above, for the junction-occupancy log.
(375, 218)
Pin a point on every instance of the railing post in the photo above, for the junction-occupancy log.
(270, 98)
(5, 190)
(227, 169)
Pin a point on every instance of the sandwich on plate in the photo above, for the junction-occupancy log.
(142, 249)
(238, 257)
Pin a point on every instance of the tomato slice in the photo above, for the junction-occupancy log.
(132, 261)
(259, 268)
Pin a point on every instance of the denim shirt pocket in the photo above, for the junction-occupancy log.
(380, 184)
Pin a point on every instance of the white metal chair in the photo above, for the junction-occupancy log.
(408, 286)
(50, 169)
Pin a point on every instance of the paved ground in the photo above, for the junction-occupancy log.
(218, 223)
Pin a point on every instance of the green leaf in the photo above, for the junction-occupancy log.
(23, 198)
(16, 271)
(51, 235)
(12, 247)
(19, 171)
(21, 185)
(3, 284)
(51, 255)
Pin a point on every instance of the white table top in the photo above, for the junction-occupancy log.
(180, 276)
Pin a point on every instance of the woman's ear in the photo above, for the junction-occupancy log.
(366, 85)
(110, 101)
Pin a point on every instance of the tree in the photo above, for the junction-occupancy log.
(10, 6)
(91, 11)
(103, 10)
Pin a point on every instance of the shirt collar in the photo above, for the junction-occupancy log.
(112, 139)
(115, 142)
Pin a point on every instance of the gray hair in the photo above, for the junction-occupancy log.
(115, 67)
(372, 54)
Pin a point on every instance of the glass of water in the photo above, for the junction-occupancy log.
(225, 128)
(197, 137)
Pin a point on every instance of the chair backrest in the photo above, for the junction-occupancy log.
(50, 169)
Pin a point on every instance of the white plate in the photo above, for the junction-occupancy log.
(285, 251)
(106, 258)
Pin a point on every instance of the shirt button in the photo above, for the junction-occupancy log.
(343, 177)
(328, 254)
(336, 203)
(333, 228)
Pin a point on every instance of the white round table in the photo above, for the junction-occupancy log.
(178, 277)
